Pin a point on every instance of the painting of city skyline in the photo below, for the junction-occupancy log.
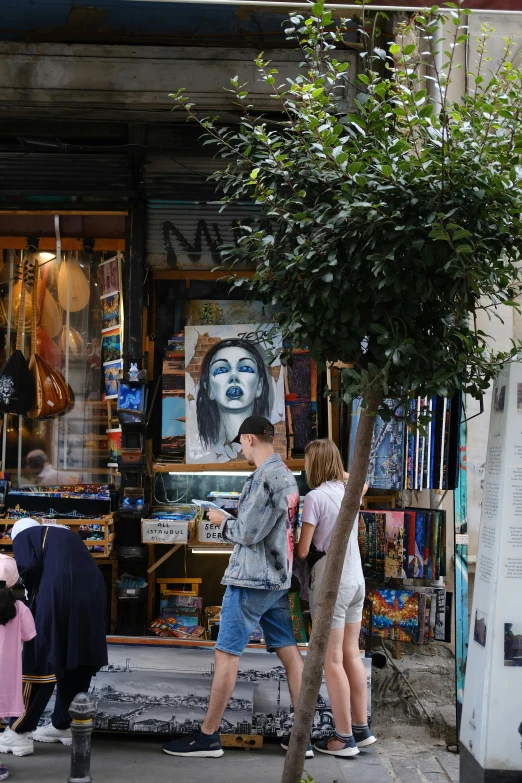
(146, 701)
(164, 690)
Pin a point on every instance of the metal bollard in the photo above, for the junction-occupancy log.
(82, 712)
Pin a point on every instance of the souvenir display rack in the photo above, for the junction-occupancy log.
(103, 528)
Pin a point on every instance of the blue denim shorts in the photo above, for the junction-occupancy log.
(244, 609)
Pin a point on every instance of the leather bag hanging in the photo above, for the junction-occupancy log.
(47, 348)
(16, 387)
(51, 393)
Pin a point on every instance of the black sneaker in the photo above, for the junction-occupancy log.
(199, 745)
(285, 742)
(363, 737)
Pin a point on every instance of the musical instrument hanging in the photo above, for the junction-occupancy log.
(50, 315)
(16, 299)
(77, 349)
(16, 387)
(51, 393)
(47, 348)
(80, 290)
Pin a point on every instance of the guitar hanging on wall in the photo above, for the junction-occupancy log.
(51, 393)
(16, 386)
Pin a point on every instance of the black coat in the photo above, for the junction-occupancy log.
(67, 598)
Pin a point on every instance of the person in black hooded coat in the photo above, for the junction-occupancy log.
(67, 598)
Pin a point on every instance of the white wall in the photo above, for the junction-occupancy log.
(511, 325)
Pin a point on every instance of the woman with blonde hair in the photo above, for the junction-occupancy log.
(344, 670)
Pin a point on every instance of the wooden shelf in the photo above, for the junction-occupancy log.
(190, 274)
(68, 243)
(183, 467)
(172, 641)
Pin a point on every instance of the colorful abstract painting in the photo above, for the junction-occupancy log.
(112, 374)
(108, 277)
(110, 307)
(301, 401)
(395, 614)
(111, 346)
(365, 636)
(298, 622)
(372, 543)
(394, 545)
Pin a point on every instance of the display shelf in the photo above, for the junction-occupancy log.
(106, 522)
(157, 641)
(183, 467)
(201, 274)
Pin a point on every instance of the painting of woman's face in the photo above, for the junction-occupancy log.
(234, 381)
(230, 374)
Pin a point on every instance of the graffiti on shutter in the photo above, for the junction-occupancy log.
(183, 235)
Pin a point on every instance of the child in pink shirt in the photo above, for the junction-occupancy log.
(16, 626)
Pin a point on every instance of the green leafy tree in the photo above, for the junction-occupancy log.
(383, 230)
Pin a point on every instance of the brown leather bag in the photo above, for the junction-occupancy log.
(50, 389)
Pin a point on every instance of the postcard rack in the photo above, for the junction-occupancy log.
(102, 527)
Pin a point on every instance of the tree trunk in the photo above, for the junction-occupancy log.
(314, 663)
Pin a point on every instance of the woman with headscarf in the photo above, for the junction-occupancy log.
(67, 597)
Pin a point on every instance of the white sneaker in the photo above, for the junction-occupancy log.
(48, 733)
(17, 744)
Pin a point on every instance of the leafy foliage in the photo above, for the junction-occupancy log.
(382, 230)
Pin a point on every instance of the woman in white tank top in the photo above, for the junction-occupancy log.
(344, 670)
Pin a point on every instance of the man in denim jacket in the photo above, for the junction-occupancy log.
(257, 579)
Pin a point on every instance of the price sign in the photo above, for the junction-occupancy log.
(164, 531)
(209, 533)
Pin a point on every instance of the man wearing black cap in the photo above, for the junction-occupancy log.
(257, 578)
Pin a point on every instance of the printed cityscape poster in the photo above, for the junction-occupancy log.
(386, 467)
(151, 689)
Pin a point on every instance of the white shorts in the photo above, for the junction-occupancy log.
(350, 598)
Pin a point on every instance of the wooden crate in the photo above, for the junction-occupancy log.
(105, 522)
(243, 741)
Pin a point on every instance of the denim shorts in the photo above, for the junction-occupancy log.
(246, 608)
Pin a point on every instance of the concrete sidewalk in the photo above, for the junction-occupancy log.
(134, 760)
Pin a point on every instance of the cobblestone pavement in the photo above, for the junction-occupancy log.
(134, 760)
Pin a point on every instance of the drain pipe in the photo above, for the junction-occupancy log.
(307, 6)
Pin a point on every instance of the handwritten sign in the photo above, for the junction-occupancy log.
(164, 531)
(209, 533)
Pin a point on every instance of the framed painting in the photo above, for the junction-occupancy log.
(231, 372)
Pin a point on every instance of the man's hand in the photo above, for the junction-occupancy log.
(216, 517)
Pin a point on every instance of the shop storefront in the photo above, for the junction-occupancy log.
(130, 458)
(110, 237)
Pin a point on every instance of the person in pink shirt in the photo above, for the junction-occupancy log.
(16, 626)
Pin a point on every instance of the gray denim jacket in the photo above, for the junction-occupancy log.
(263, 532)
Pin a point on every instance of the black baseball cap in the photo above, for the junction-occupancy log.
(255, 425)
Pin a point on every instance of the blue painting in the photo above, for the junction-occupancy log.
(386, 467)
